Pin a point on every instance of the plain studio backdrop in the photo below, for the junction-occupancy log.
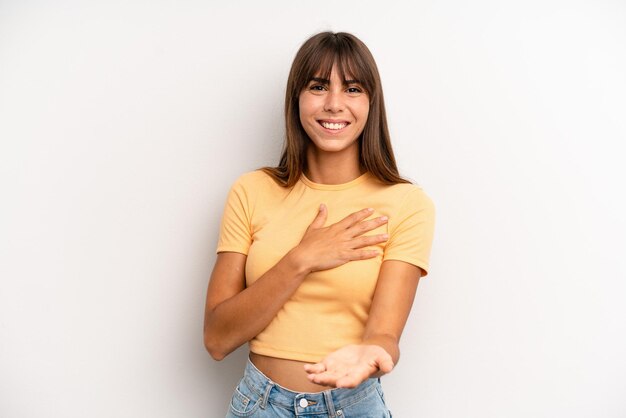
(124, 123)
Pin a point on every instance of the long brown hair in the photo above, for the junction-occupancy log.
(318, 54)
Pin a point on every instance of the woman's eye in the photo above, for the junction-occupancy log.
(354, 90)
(317, 87)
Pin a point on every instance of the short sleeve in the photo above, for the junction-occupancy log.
(411, 232)
(235, 229)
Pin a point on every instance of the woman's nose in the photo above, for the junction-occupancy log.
(334, 101)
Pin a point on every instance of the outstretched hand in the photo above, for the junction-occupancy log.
(349, 366)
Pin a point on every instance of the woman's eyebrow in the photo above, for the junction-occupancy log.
(320, 80)
(326, 81)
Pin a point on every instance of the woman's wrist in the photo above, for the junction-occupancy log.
(295, 260)
(388, 344)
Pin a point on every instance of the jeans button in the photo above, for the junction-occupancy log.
(304, 403)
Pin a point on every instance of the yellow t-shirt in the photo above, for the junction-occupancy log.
(330, 308)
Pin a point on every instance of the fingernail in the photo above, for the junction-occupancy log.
(383, 218)
(385, 236)
(370, 209)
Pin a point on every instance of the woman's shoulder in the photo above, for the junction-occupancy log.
(256, 181)
(407, 194)
(253, 178)
(402, 189)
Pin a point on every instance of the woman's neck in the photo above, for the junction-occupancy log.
(332, 168)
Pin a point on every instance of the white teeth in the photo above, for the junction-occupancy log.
(334, 126)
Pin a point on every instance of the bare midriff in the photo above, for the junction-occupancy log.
(289, 374)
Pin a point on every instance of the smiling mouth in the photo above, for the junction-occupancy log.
(333, 126)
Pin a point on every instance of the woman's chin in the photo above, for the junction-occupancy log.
(333, 145)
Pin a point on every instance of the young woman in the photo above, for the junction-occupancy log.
(319, 258)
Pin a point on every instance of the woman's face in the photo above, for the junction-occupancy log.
(332, 113)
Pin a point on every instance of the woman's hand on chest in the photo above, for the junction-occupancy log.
(326, 247)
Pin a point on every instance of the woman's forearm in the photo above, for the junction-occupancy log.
(240, 318)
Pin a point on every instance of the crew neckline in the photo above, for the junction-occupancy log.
(341, 186)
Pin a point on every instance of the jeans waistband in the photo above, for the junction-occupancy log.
(304, 403)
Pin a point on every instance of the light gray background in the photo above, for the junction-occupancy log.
(124, 123)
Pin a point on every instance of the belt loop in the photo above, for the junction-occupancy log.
(266, 395)
(328, 397)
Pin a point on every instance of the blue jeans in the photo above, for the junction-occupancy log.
(257, 396)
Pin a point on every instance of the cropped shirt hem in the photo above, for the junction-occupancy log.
(265, 350)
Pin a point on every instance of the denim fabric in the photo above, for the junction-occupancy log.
(257, 396)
